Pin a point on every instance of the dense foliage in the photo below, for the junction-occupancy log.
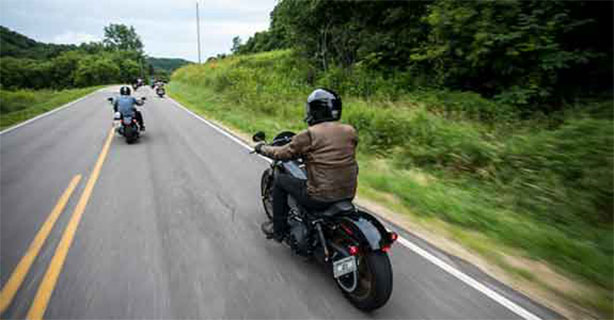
(69, 69)
(17, 45)
(119, 58)
(167, 64)
(526, 53)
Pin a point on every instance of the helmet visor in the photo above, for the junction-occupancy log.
(307, 112)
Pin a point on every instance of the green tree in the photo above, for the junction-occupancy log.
(12, 72)
(514, 50)
(236, 44)
(122, 37)
(57, 66)
(63, 69)
(94, 70)
(92, 47)
(381, 33)
(129, 70)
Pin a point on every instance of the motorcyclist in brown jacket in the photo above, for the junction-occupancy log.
(328, 151)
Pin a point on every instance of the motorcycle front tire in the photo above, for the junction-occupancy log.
(266, 189)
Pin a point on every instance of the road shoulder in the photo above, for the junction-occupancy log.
(59, 101)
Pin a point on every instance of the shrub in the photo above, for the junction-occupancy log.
(16, 100)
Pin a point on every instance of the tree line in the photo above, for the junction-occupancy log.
(26, 63)
(525, 53)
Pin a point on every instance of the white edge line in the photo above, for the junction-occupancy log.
(515, 308)
(19, 125)
(510, 305)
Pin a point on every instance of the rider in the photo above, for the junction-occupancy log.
(125, 105)
(328, 150)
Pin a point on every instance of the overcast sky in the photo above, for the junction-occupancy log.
(167, 27)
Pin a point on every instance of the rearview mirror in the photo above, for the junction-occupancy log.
(110, 99)
(259, 136)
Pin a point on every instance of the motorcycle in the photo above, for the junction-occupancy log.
(160, 91)
(349, 242)
(126, 126)
(137, 84)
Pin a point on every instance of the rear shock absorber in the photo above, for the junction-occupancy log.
(322, 240)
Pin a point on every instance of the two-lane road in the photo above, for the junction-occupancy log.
(171, 230)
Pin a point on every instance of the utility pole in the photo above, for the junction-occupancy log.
(198, 31)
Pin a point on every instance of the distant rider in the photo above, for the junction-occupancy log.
(328, 149)
(125, 104)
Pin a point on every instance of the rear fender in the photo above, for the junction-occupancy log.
(366, 229)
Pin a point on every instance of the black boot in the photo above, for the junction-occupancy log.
(269, 231)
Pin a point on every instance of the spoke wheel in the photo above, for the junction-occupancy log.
(266, 189)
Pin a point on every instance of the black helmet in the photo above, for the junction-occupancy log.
(124, 91)
(322, 105)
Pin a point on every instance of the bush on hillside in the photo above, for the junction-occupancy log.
(96, 70)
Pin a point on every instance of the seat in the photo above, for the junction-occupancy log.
(337, 208)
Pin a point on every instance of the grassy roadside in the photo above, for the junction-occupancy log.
(499, 185)
(21, 105)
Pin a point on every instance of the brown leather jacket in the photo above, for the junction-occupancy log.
(328, 149)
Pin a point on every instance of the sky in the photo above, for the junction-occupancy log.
(167, 27)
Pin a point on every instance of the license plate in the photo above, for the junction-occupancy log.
(344, 266)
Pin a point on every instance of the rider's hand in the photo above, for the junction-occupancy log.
(258, 147)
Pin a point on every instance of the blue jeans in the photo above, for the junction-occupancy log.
(286, 184)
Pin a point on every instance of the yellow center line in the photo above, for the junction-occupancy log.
(22, 268)
(39, 305)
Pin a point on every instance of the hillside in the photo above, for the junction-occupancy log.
(27, 63)
(15, 44)
(167, 64)
(19, 46)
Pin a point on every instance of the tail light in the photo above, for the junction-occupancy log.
(393, 236)
(353, 250)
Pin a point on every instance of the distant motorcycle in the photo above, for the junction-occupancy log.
(351, 243)
(160, 91)
(137, 84)
(126, 126)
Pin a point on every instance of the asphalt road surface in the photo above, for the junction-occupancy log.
(170, 229)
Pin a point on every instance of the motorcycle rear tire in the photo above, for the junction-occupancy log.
(376, 271)
(131, 134)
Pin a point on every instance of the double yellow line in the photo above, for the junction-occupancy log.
(45, 289)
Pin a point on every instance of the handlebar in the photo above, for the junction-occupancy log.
(271, 144)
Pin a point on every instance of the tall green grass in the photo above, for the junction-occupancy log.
(19, 105)
(543, 184)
